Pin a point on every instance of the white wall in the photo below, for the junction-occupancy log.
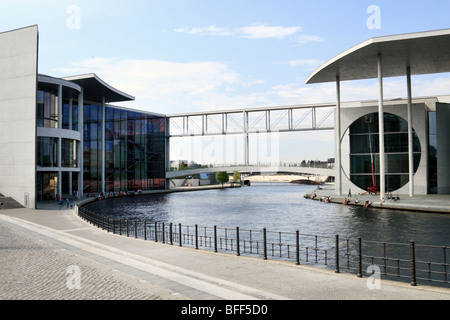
(18, 81)
(349, 115)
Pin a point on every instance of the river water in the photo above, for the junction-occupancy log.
(280, 207)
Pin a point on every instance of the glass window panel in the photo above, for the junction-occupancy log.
(69, 157)
(65, 115)
(47, 186)
(47, 150)
(75, 117)
(47, 109)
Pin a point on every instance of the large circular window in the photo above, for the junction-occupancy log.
(365, 152)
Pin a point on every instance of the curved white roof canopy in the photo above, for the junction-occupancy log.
(95, 89)
(425, 52)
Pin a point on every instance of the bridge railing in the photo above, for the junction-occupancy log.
(410, 262)
(280, 166)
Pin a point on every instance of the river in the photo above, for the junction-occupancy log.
(280, 207)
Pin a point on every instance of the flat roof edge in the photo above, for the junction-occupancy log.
(23, 28)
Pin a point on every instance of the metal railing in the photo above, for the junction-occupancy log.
(411, 262)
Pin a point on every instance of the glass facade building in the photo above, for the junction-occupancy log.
(134, 150)
(86, 145)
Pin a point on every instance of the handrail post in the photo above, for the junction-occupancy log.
(163, 231)
(215, 238)
(336, 261)
(171, 236)
(413, 263)
(297, 246)
(179, 228)
(156, 231)
(265, 243)
(196, 236)
(145, 229)
(359, 258)
(238, 251)
(135, 229)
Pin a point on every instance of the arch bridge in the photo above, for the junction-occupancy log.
(306, 171)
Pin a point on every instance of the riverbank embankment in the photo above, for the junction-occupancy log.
(432, 203)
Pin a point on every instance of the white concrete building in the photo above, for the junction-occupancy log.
(62, 137)
(407, 140)
(18, 89)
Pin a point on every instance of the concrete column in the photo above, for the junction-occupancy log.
(60, 117)
(70, 183)
(381, 127)
(81, 144)
(410, 135)
(60, 109)
(338, 162)
(59, 166)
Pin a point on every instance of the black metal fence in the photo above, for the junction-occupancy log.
(410, 262)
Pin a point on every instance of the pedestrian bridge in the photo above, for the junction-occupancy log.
(307, 171)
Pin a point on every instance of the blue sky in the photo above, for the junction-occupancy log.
(191, 55)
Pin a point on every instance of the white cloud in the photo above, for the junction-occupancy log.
(169, 87)
(211, 30)
(254, 31)
(262, 31)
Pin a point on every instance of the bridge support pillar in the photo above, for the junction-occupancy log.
(246, 141)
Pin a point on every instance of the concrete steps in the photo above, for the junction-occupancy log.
(9, 203)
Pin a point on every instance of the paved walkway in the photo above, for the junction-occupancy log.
(434, 203)
(42, 250)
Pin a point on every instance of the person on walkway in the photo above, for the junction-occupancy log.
(68, 202)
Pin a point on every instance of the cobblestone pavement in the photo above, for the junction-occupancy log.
(36, 269)
(39, 248)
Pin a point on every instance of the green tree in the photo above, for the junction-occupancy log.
(236, 176)
(222, 176)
